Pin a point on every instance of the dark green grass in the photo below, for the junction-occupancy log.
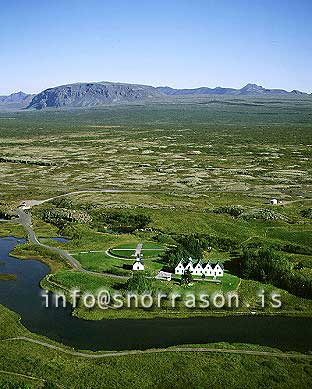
(169, 370)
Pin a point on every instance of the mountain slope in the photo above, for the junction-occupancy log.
(16, 100)
(92, 94)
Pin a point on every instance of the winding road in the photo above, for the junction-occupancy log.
(25, 220)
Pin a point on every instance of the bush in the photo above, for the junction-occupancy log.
(307, 213)
(233, 210)
(263, 214)
(138, 283)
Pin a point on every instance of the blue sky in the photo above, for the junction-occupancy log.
(177, 43)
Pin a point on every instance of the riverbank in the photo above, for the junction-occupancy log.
(240, 365)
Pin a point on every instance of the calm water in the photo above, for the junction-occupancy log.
(23, 296)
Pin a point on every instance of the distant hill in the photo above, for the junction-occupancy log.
(16, 100)
(248, 90)
(101, 93)
(92, 94)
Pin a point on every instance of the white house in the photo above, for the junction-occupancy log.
(189, 266)
(198, 269)
(179, 268)
(208, 270)
(218, 270)
(138, 265)
(273, 201)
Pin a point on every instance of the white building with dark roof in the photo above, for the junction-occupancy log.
(138, 265)
(208, 270)
(199, 269)
(218, 269)
(189, 266)
(179, 268)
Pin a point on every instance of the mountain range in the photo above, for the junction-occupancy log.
(100, 93)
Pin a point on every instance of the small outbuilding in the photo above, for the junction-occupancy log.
(164, 275)
(273, 201)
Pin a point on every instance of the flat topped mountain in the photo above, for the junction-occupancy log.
(91, 94)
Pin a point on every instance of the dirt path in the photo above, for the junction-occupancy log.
(32, 203)
(161, 350)
(11, 373)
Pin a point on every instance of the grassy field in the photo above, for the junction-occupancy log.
(28, 365)
(150, 250)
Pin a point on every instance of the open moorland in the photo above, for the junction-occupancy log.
(253, 146)
(196, 170)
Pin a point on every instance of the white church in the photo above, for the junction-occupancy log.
(138, 264)
(199, 269)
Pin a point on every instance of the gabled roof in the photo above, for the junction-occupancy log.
(220, 264)
(207, 264)
(139, 260)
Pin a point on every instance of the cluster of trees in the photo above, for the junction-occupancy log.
(138, 283)
(187, 246)
(4, 214)
(186, 278)
(218, 242)
(63, 202)
(233, 210)
(194, 246)
(295, 249)
(307, 213)
(268, 266)
(263, 214)
(120, 221)
(61, 216)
